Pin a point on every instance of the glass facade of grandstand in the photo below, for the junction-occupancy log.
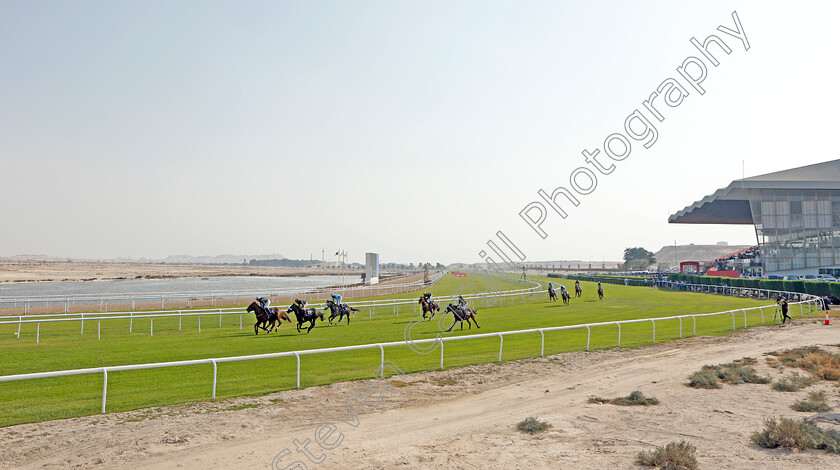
(797, 229)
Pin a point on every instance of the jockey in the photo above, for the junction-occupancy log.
(599, 286)
(577, 284)
(264, 302)
(562, 288)
(462, 304)
(336, 299)
(550, 286)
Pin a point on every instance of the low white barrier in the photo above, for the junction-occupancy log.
(498, 296)
(68, 301)
(440, 340)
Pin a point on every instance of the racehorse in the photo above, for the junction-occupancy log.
(552, 296)
(339, 311)
(460, 315)
(269, 315)
(600, 293)
(305, 315)
(429, 306)
(566, 297)
(578, 290)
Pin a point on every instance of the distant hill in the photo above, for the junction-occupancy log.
(285, 262)
(219, 259)
(665, 255)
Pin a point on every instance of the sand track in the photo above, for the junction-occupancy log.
(463, 418)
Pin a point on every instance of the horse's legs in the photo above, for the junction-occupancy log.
(311, 325)
(476, 321)
(256, 332)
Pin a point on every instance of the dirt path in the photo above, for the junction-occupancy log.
(461, 418)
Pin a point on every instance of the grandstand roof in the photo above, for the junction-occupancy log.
(730, 205)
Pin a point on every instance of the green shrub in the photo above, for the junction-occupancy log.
(704, 378)
(814, 404)
(793, 383)
(674, 456)
(636, 398)
(820, 288)
(792, 434)
(736, 372)
(532, 425)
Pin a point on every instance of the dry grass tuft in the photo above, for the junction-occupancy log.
(736, 372)
(532, 425)
(820, 363)
(636, 398)
(814, 404)
(674, 456)
(798, 435)
(794, 383)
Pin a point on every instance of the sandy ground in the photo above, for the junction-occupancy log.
(37, 271)
(461, 418)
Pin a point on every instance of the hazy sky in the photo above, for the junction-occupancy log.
(412, 129)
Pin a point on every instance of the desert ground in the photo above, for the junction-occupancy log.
(38, 271)
(462, 418)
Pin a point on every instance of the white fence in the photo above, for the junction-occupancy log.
(496, 298)
(67, 302)
(381, 346)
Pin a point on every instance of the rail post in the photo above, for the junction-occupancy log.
(199, 323)
(214, 377)
(542, 343)
(298, 369)
(20, 319)
(83, 325)
(619, 334)
(220, 318)
(381, 360)
(151, 326)
(588, 336)
(104, 387)
(441, 353)
(653, 324)
(733, 319)
(501, 344)
(745, 317)
(694, 330)
(761, 310)
(99, 329)
(680, 318)
(38, 333)
(179, 320)
(130, 321)
(240, 322)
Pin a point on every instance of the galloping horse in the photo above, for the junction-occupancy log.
(578, 290)
(460, 315)
(600, 293)
(339, 311)
(305, 315)
(429, 306)
(269, 315)
(566, 297)
(552, 296)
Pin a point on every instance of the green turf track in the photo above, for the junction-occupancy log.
(61, 347)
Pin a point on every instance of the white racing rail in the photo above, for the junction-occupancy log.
(381, 346)
(490, 299)
(69, 301)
